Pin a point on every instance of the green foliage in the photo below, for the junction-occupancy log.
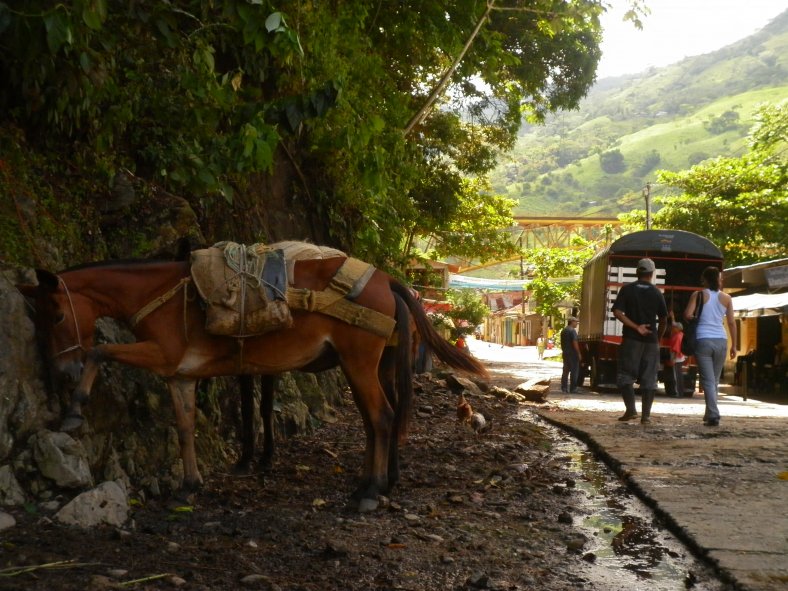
(612, 162)
(37, 226)
(467, 306)
(474, 231)
(741, 204)
(727, 121)
(556, 275)
(202, 98)
(157, 87)
(650, 160)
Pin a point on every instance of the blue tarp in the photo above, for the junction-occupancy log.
(461, 281)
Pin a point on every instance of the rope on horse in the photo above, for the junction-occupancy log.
(248, 262)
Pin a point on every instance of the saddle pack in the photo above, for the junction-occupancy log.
(246, 291)
(244, 288)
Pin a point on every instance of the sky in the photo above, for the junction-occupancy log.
(676, 29)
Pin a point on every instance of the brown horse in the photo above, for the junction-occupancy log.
(172, 342)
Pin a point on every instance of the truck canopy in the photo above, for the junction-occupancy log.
(649, 243)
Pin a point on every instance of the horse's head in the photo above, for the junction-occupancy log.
(64, 322)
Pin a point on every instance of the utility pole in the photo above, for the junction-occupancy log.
(647, 195)
(522, 294)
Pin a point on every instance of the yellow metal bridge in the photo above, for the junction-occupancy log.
(555, 232)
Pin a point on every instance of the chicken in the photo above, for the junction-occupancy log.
(464, 409)
(480, 423)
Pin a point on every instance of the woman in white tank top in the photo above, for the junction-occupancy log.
(712, 338)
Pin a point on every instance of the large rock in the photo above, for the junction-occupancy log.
(62, 459)
(23, 399)
(107, 503)
(11, 494)
(534, 390)
(6, 520)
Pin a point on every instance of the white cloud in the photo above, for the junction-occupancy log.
(676, 29)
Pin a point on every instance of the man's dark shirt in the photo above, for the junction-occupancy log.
(643, 304)
(568, 336)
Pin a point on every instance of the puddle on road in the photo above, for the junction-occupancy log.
(627, 548)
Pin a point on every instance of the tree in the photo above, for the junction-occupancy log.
(203, 98)
(467, 312)
(612, 162)
(557, 274)
(650, 160)
(727, 121)
(741, 204)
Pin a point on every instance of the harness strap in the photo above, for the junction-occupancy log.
(157, 302)
(347, 277)
(348, 282)
(345, 310)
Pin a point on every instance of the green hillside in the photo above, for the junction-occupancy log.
(596, 160)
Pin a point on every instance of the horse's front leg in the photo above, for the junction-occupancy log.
(74, 418)
(246, 384)
(247, 423)
(182, 391)
(145, 354)
(267, 414)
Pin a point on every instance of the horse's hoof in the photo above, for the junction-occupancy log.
(242, 468)
(72, 422)
(368, 505)
(189, 489)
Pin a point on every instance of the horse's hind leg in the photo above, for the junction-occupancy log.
(387, 376)
(378, 418)
(396, 375)
(182, 391)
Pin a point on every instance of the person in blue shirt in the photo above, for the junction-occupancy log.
(641, 308)
(711, 338)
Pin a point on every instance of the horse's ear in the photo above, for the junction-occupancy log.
(47, 281)
(183, 249)
(27, 290)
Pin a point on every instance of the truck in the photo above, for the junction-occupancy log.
(679, 257)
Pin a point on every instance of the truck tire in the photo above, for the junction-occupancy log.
(595, 372)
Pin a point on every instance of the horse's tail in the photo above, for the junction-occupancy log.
(450, 355)
(404, 370)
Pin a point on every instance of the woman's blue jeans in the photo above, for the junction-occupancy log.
(710, 356)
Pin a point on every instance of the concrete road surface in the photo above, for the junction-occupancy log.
(723, 490)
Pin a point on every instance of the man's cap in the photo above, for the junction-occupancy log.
(646, 266)
(571, 319)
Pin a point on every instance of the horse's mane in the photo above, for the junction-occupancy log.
(116, 262)
(293, 250)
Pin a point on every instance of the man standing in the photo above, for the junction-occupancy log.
(641, 309)
(570, 350)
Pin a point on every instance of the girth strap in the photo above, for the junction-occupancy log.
(159, 301)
